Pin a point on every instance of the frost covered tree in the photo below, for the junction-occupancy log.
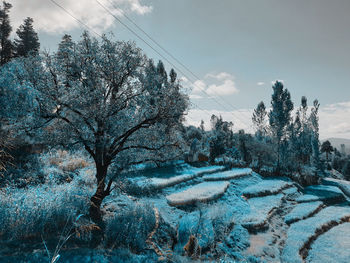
(6, 47)
(109, 98)
(259, 119)
(28, 40)
(280, 115)
(300, 138)
(305, 133)
(221, 137)
(327, 148)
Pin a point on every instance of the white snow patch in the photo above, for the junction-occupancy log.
(189, 174)
(260, 211)
(331, 247)
(266, 187)
(228, 175)
(302, 211)
(202, 192)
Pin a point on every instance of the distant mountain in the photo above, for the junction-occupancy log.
(336, 142)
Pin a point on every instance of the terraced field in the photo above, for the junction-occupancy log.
(240, 216)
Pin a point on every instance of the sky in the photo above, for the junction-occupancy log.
(235, 49)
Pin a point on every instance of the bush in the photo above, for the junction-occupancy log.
(130, 228)
(67, 162)
(41, 210)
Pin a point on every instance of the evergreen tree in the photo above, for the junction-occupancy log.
(65, 55)
(327, 148)
(172, 76)
(28, 40)
(202, 125)
(6, 47)
(259, 119)
(242, 146)
(279, 116)
(305, 133)
(315, 142)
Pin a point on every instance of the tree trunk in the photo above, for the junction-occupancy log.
(278, 157)
(95, 204)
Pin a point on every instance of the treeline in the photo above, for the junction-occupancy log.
(286, 140)
(25, 43)
(27, 40)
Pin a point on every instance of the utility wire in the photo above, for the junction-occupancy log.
(99, 35)
(165, 50)
(149, 45)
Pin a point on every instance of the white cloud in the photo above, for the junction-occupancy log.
(199, 86)
(260, 83)
(220, 84)
(50, 18)
(241, 118)
(335, 120)
(228, 87)
(195, 96)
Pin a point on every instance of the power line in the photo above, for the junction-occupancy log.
(136, 34)
(165, 50)
(99, 35)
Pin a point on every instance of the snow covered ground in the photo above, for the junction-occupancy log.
(304, 231)
(332, 246)
(277, 220)
(231, 174)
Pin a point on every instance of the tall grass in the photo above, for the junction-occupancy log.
(130, 228)
(38, 210)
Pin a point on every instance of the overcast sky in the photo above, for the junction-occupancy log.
(236, 48)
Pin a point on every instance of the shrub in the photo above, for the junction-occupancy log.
(130, 228)
(67, 162)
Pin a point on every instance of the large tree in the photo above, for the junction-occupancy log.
(108, 97)
(28, 40)
(280, 115)
(6, 47)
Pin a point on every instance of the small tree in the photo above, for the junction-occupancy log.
(221, 137)
(28, 40)
(259, 119)
(6, 47)
(327, 148)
